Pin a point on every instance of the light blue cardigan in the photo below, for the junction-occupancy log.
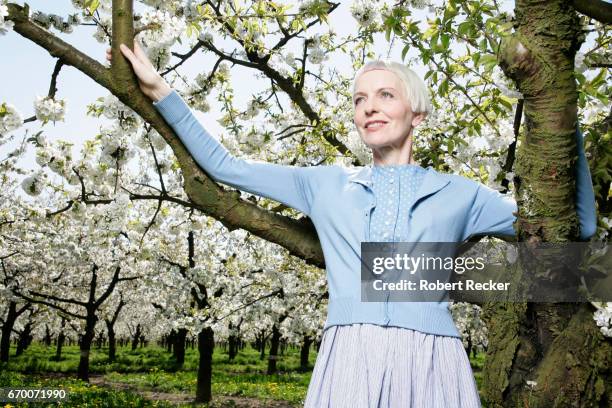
(447, 208)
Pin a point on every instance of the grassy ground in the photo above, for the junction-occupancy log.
(148, 377)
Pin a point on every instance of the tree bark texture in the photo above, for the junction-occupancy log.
(558, 346)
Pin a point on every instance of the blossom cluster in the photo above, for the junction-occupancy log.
(164, 30)
(10, 119)
(53, 20)
(34, 184)
(196, 97)
(115, 145)
(605, 231)
(317, 53)
(103, 29)
(420, 4)
(603, 318)
(190, 10)
(49, 109)
(167, 29)
(5, 26)
(365, 12)
(58, 158)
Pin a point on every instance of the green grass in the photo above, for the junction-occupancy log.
(80, 394)
(154, 369)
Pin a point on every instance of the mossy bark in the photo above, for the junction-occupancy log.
(558, 346)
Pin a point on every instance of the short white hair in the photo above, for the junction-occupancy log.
(415, 90)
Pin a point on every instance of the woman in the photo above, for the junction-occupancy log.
(373, 354)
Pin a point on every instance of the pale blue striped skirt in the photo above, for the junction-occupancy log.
(371, 366)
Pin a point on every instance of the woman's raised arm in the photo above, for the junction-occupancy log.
(289, 185)
(492, 212)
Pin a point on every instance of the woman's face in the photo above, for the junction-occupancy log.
(383, 115)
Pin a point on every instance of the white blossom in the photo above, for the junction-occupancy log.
(290, 59)
(34, 184)
(10, 119)
(167, 28)
(605, 231)
(419, 4)
(101, 30)
(365, 12)
(5, 26)
(49, 109)
(206, 37)
(316, 53)
(579, 64)
(55, 21)
(603, 318)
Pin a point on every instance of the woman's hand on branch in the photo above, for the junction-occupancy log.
(151, 83)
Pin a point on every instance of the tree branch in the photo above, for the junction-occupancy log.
(110, 288)
(59, 299)
(50, 304)
(597, 9)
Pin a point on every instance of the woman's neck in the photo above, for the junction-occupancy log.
(392, 156)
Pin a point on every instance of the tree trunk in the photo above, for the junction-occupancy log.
(7, 329)
(47, 338)
(273, 356)
(100, 341)
(170, 340)
(557, 346)
(233, 347)
(206, 344)
(179, 347)
(304, 353)
(25, 338)
(60, 343)
(112, 341)
(136, 337)
(85, 346)
(262, 346)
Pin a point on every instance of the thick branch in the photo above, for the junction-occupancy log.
(117, 311)
(58, 298)
(110, 287)
(597, 9)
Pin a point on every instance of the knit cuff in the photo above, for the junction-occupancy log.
(172, 107)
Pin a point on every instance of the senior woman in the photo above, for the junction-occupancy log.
(372, 354)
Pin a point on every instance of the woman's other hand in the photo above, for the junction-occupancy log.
(151, 83)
